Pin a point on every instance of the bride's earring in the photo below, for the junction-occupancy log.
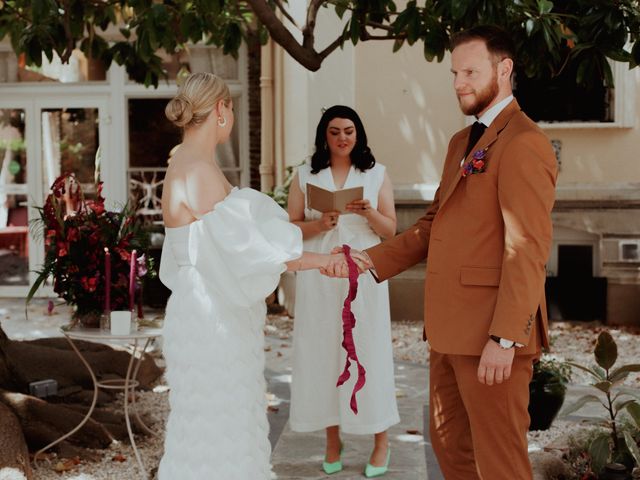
(222, 121)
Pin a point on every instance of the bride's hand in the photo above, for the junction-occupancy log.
(335, 266)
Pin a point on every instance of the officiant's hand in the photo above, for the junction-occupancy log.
(328, 220)
(360, 207)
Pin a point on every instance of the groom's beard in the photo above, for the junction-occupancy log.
(484, 97)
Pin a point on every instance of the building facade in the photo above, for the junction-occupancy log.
(92, 122)
(410, 111)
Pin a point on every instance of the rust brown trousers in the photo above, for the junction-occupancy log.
(486, 238)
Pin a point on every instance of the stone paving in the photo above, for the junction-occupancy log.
(299, 456)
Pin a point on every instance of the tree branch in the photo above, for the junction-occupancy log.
(332, 46)
(307, 32)
(380, 26)
(307, 57)
(383, 37)
(286, 14)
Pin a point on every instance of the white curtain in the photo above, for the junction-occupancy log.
(7, 135)
(50, 147)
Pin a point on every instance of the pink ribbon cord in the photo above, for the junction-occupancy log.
(348, 323)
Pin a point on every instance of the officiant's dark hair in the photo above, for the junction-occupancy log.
(361, 156)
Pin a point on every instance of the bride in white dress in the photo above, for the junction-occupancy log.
(224, 251)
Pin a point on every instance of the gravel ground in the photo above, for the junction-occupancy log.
(570, 341)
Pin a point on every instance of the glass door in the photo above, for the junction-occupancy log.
(15, 244)
(40, 139)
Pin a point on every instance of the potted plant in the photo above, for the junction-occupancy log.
(547, 390)
(89, 252)
(614, 451)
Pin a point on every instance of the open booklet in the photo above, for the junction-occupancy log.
(327, 201)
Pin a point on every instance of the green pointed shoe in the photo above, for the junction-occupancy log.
(334, 467)
(371, 472)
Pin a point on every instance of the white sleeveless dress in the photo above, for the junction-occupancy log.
(318, 358)
(220, 268)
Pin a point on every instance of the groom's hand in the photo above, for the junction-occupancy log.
(362, 259)
(495, 363)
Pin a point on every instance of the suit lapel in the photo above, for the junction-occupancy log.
(489, 136)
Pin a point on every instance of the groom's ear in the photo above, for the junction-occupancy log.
(505, 68)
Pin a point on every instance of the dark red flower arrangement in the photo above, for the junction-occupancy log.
(76, 232)
(477, 164)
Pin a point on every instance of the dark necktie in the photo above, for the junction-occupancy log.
(477, 129)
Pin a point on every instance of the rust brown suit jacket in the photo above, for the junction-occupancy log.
(486, 238)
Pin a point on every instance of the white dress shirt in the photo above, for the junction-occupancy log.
(490, 115)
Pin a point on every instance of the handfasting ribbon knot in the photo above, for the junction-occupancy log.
(348, 322)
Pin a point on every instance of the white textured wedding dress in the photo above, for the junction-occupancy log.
(220, 268)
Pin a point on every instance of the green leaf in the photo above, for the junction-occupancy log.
(458, 9)
(632, 446)
(619, 55)
(354, 30)
(595, 373)
(38, 10)
(621, 373)
(603, 386)
(606, 350)
(599, 450)
(42, 276)
(618, 406)
(584, 70)
(634, 411)
(581, 402)
(401, 21)
(263, 36)
(413, 30)
(544, 7)
(429, 53)
(529, 26)
(397, 44)
(635, 53)
(605, 66)
(341, 7)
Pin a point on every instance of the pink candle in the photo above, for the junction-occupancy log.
(132, 280)
(107, 280)
(140, 312)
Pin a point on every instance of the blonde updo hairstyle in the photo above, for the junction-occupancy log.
(196, 99)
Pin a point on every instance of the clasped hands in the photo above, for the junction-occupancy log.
(495, 362)
(337, 266)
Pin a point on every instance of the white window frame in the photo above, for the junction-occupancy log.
(623, 106)
(111, 97)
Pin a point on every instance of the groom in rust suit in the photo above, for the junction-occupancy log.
(486, 238)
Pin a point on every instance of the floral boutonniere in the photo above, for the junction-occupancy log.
(477, 164)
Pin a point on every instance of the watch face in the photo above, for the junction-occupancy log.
(506, 343)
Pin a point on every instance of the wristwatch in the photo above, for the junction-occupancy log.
(503, 342)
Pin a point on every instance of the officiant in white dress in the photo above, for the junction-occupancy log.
(342, 159)
(224, 251)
